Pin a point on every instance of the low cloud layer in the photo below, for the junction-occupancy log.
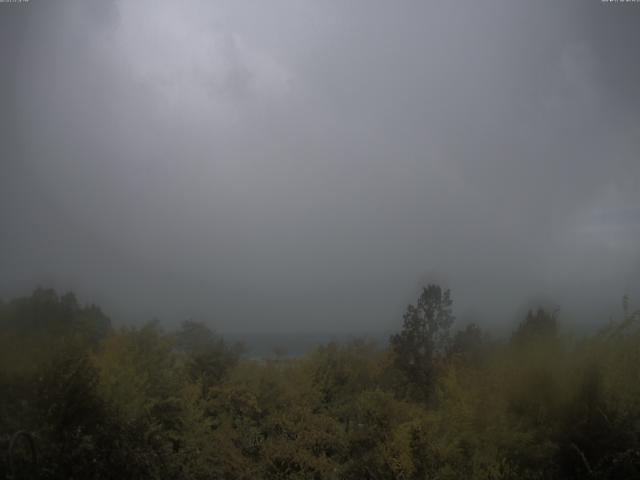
(306, 166)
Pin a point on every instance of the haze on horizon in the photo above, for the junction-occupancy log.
(308, 165)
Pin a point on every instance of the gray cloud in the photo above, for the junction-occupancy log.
(307, 165)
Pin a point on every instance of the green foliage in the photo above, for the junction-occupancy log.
(423, 339)
(208, 358)
(45, 316)
(143, 403)
(468, 346)
(539, 327)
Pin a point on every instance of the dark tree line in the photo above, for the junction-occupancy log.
(80, 399)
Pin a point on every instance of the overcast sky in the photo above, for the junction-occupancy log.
(307, 165)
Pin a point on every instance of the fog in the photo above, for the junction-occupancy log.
(308, 165)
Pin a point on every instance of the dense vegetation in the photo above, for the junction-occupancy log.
(137, 403)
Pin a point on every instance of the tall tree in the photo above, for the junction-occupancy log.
(424, 337)
(537, 326)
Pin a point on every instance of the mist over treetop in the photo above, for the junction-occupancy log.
(85, 400)
(167, 159)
